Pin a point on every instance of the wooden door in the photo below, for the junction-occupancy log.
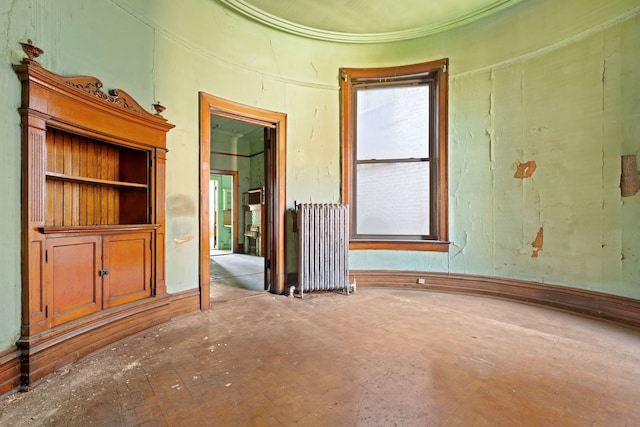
(72, 266)
(126, 268)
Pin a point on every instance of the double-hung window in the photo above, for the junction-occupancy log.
(394, 137)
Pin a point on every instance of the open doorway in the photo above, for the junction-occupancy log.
(260, 233)
(223, 212)
(237, 207)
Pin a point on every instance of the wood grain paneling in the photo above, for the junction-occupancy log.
(92, 183)
(9, 370)
(87, 183)
(44, 354)
(72, 273)
(128, 257)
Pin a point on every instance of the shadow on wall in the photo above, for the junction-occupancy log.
(180, 211)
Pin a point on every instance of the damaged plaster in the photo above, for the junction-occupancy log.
(525, 170)
(537, 243)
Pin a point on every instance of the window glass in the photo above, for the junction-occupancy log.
(392, 122)
(387, 200)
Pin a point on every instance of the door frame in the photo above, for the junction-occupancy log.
(210, 104)
(236, 205)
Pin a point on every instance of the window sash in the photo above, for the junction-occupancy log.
(434, 183)
(382, 209)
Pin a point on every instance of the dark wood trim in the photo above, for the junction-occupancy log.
(247, 156)
(350, 77)
(184, 302)
(205, 176)
(9, 370)
(597, 304)
(424, 245)
(210, 104)
(100, 229)
(44, 353)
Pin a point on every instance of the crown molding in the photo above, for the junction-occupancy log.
(252, 12)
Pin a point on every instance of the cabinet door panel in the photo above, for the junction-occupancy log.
(128, 258)
(72, 270)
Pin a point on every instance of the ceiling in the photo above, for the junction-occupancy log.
(365, 21)
(245, 132)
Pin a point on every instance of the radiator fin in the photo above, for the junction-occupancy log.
(323, 237)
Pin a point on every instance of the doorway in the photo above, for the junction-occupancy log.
(272, 227)
(237, 207)
(223, 212)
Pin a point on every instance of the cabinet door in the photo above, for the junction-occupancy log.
(72, 266)
(127, 258)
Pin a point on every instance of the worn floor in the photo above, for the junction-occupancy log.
(379, 357)
(238, 270)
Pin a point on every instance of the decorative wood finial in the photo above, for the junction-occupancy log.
(31, 50)
(159, 108)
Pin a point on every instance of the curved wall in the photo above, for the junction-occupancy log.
(554, 82)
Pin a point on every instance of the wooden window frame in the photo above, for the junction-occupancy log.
(436, 73)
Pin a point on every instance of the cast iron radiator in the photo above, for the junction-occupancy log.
(323, 237)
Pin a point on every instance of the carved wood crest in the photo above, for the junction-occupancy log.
(90, 85)
(93, 86)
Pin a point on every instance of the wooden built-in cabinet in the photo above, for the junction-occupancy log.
(93, 216)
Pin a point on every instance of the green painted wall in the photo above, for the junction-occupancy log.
(554, 82)
(242, 164)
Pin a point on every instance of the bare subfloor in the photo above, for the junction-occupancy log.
(380, 357)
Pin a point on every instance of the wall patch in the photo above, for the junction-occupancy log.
(537, 243)
(525, 170)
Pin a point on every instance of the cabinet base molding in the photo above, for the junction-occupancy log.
(43, 353)
(9, 370)
(596, 304)
(184, 302)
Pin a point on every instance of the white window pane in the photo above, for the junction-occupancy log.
(393, 198)
(393, 122)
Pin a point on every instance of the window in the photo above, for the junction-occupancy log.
(394, 154)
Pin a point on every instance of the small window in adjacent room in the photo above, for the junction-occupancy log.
(394, 154)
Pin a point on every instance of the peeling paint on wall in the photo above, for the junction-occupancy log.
(525, 170)
(182, 239)
(537, 243)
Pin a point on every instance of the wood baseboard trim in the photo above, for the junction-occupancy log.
(184, 302)
(9, 370)
(596, 304)
(43, 353)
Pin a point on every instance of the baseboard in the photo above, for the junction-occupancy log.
(9, 370)
(184, 302)
(43, 353)
(597, 304)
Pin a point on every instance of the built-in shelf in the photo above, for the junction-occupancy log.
(81, 179)
(93, 229)
(99, 229)
(252, 207)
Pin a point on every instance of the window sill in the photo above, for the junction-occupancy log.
(428, 245)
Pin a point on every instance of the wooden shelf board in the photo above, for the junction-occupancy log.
(98, 229)
(81, 179)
